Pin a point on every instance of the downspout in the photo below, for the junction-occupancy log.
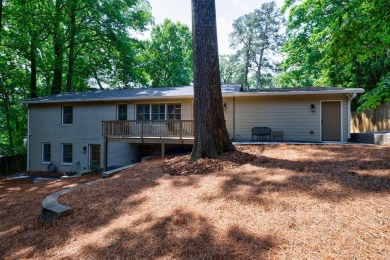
(28, 139)
(350, 97)
(234, 118)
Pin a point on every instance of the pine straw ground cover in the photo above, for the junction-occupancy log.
(260, 202)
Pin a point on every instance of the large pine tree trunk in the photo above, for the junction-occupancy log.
(71, 58)
(58, 50)
(211, 136)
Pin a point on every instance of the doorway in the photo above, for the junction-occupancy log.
(94, 157)
(331, 121)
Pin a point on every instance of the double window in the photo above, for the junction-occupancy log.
(67, 153)
(46, 152)
(67, 115)
(158, 111)
(122, 112)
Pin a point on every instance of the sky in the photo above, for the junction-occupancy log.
(227, 11)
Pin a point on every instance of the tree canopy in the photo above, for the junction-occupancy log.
(340, 43)
(169, 55)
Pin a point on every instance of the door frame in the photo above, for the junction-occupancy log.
(90, 155)
(341, 119)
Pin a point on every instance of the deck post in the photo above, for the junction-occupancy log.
(105, 153)
(181, 129)
(162, 149)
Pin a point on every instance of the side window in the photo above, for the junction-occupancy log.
(158, 111)
(143, 112)
(67, 115)
(46, 152)
(122, 112)
(174, 111)
(67, 153)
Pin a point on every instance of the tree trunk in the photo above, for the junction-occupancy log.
(211, 136)
(246, 68)
(33, 64)
(1, 18)
(258, 76)
(72, 57)
(97, 79)
(58, 51)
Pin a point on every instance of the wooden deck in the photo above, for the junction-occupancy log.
(147, 132)
(150, 131)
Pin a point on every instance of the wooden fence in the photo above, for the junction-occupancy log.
(13, 164)
(376, 120)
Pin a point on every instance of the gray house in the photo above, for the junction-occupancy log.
(93, 129)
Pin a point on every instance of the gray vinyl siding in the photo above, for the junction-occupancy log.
(46, 127)
(229, 113)
(291, 114)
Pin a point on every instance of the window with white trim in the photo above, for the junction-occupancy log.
(174, 112)
(158, 111)
(167, 111)
(122, 112)
(143, 111)
(67, 153)
(46, 152)
(67, 115)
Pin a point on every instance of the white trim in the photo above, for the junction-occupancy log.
(341, 119)
(62, 154)
(28, 139)
(43, 152)
(158, 103)
(117, 110)
(62, 115)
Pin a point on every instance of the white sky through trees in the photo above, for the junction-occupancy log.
(227, 11)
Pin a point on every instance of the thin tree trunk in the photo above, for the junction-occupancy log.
(258, 76)
(211, 136)
(246, 68)
(1, 18)
(33, 64)
(58, 51)
(8, 117)
(97, 79)
(72, 57)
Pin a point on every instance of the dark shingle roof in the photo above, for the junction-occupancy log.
(126, 94)
(179, 92)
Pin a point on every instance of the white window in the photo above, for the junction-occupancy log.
(158, 111)
(174, 112)
(46, 152)
(143, 112)
(122, 112)
(67, 115)
(67, 153)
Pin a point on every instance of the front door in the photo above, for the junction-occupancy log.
(331, 121)
(94, 156)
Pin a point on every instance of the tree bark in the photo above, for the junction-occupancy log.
(33, 64)
(58, 51)
(1, 18)
(211, 136)
(258, 76)
(71, 57)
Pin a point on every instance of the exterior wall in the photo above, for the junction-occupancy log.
(46, 127)
(229, 114)
(291, 114)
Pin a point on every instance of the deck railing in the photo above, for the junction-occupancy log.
(149, 128)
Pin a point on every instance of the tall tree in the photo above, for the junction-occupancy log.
(258, 38)
(211, 136)
(169, 55)
(340, 43)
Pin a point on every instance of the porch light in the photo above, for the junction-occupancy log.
(313, 108)
(224, 106)
(84, 149)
